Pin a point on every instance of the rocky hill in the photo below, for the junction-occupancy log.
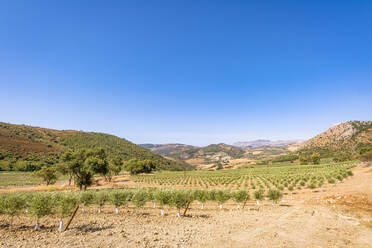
(349, 137)
(22, 146)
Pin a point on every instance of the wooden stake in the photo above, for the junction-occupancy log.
(72, 217)
(246, 199)
(187, 207)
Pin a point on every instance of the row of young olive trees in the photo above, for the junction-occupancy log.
(63, 204)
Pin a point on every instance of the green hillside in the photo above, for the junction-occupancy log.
(210, 153)
(22, 147)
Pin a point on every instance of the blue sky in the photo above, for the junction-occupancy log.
(194, 72)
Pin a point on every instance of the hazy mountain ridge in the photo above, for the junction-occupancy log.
(260, 143)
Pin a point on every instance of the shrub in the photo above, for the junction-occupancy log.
(303, 160)
(65, 205)
(258, 195)
(48, 174)
(275, 195)
(315, 158)
(162, 197)
(118, 198)
(240, 196)
(86, 198)
(222, 196)
(41, 205)
(312, 185)
(139, 198)
(179, 199)
(201, 196)
(135, 166)
(12, 205)
(331, 180)
(151, 196)
(100, 199)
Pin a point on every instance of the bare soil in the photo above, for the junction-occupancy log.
(337, 215)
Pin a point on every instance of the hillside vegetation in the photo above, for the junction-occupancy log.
(208, 154)
(169, 150)
(346, 139)
(24, 147)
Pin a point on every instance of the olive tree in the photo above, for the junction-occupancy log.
(48, 174)
(222, 196)
(139, 198)
(84, 163)
(41, 205)
(65, 205)
(86, 198)
(274, 195)
(179, 199)
(240, 196)
(118, 198)
(100, 199)
(258, 196)
(201, 196)
(162, 197)
(115, 166)
(12, 205)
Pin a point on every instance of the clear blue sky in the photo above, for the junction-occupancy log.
(194, 72)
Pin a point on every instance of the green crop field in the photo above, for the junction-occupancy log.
(15, 178)
(18, 178)
(283, 176)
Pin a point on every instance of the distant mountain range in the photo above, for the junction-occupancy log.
(260, 143)
(22, 146)
(344, 137)
(194, 154)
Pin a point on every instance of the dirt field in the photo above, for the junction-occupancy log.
(334, 216)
